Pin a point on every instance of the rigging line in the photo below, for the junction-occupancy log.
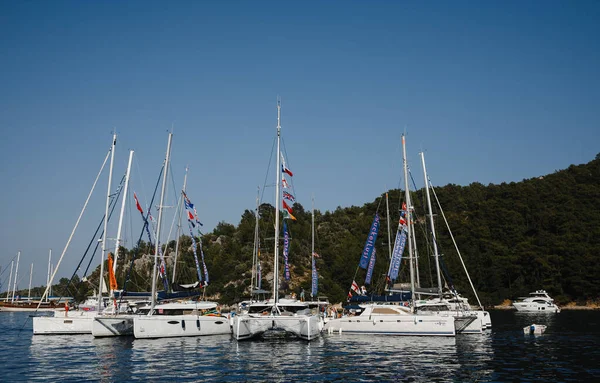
(74, 229)
(6, 268)
(286, 157)
(456, 246)
(137, 247)
(268, 169)
(112, 205)
(176, 215)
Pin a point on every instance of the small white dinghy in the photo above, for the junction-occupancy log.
(534, 329)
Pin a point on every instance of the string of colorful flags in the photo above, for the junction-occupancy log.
(193, 220)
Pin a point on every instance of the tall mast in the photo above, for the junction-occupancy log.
(16, 274)
(12, 265)
(255, 250)
(181, 204)
(408, 218)
(435, 249)
(102, 254)
(48, 277)
(277, 202)
(118, 241)
(312, 250)
(160, 207)
(30, 275)
(387, 208)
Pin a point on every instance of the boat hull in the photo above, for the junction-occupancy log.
(72, 323)
(165, 326)
(28, 309)
(420, 325)
(250, 326)
(468, 324)
(113, 325)
(533, 307)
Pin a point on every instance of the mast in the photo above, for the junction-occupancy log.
(435, 249)
(387, 208)
(416, 250)
(118, 241)
(53, 272)
(103, 252)
(16, 274)
(30, 275)
(180, 207)
(254, 281)
(312, 250)
(48, 277)
(12, 264)
(277, 202)
(160, 207)
(409, 219)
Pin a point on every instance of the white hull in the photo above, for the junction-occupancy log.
(248, 326)
(165, 326)
(73, 323)
(533, 307)
(112, 325)
(28, 309)
(424, 325)
(468, 324)
(486, 320)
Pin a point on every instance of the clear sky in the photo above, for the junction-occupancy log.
(493, 91)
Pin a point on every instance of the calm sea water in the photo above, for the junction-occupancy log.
(568, 351)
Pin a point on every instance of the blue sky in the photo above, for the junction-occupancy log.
(491, 91)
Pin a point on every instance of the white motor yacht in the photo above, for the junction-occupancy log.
(538, 301)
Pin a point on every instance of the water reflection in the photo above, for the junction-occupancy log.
(567, 351)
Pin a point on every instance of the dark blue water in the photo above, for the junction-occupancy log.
(568, 351)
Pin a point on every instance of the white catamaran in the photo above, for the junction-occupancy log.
(389, 319)
(78, 322)
(277, 316)
(176, 319)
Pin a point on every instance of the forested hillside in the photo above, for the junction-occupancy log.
(540, 233)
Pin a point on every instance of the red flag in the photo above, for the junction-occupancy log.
(287, 207)
(137, 204)
(355, 287)
(286, 170)
(190, 215)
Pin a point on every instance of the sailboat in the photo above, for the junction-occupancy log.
(78, 322)
(390, 319)
(115, 319)
(24, 304)
(277, 317)
(465, 321)
(175, 319)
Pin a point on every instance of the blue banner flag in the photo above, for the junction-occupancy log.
(370, 269)
(366, 254)
(195, 252)
(397, 254)
(315, 279)
(286, 245)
